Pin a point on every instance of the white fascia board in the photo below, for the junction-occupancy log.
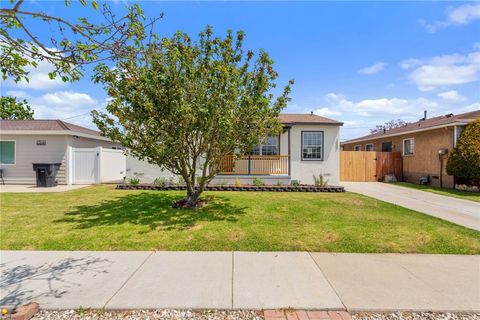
(54, 132)
(407, 132)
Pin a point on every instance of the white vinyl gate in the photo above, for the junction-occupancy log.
(85, 165)
(95, 165)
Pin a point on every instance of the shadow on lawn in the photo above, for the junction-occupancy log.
(153, 210)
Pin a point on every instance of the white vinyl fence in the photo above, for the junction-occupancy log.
(95, 165)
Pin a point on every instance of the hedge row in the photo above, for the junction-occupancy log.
(286, 188)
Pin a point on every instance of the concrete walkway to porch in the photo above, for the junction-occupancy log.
(240, 280)
(463, 212)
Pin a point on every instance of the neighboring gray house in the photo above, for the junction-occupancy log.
(308, 145)
(78, 149)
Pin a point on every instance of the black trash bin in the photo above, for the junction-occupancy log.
(46, 174)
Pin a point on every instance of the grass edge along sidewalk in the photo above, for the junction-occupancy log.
(102, 218)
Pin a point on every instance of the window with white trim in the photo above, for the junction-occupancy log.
(409, 147)
(7, 152)
(369, 147)
(312, 145)
(358, 147)
(269, 147)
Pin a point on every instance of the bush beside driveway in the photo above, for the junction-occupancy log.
(102, 218)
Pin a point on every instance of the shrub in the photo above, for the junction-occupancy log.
(258, 182)
(134, 180)
(238, 183)
(160, 181)
(464, 161)
(319, 180)
(295, 183)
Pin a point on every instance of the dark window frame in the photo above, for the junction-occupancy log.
(322, 145)
(260, 148)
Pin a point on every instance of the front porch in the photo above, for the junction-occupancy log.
(256, 165)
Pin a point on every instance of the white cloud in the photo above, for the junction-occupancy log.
(18, 94)
(39, 79)
(456, 16)
(325, 112)
(452, 95)
(380, 106)
(375, 68)
(442, 71)
(65, 105)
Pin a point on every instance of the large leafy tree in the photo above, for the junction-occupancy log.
(70, 45)
(464, 161)
(183, 104)
(13, 109)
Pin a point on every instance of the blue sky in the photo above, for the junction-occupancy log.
(362, 63)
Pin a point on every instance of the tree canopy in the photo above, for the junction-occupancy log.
(185, 104)
(388, 125)
(72, 44)
(464, 161)
(13, 109)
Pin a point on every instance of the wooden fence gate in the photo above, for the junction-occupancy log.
(369, 165)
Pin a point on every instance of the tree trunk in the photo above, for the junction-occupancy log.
(192, 198)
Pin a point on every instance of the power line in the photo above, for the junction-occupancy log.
(83, 114)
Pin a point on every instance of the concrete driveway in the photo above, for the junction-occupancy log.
(463, 212)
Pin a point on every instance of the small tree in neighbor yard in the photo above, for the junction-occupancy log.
(13, 109)
(464, 161)
(184, 105)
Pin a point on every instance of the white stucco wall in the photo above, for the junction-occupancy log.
(145, 171)
(304, 170)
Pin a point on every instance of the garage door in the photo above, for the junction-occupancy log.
(85, 165)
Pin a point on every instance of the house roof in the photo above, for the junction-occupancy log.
(301, 118)
(423, 125)
(47, 126)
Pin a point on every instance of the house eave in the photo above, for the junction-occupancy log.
(457, 123)
(55, 133)
(313, 123)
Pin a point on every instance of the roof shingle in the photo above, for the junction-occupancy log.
(302, 118)
(423, 124)
(44, 125)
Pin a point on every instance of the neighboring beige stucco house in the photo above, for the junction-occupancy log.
(307, 146)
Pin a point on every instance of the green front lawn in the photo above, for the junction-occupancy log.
(101, 218)
(472, 196)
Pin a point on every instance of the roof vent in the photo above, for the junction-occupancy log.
(311, 113)
(449, 115)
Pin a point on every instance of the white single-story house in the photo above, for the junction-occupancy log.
(84, 155)
(307, 146)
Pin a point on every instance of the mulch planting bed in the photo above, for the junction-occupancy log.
(271, 188)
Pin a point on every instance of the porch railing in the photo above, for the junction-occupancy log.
(255, 165)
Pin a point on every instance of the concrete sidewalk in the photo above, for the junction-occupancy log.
(234, 280)
(463, 212)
